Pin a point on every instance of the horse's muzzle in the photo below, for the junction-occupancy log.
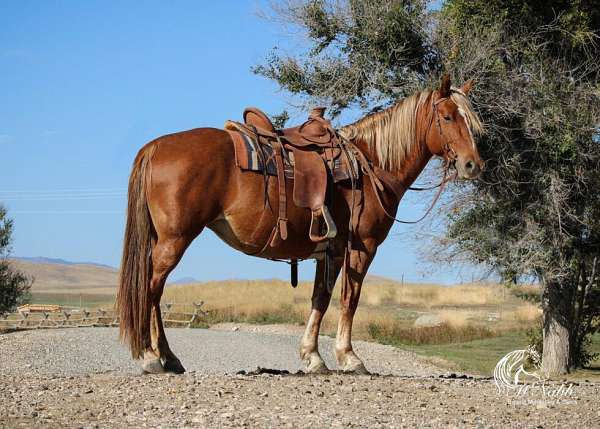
(469, 169)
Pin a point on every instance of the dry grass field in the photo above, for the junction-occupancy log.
(465, 327)
(412, 312)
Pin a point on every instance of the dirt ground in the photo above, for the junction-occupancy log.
(81, 378)
(196, 400)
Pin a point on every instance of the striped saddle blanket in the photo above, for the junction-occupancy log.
(253, 156)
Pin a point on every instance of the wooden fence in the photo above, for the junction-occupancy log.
(173, 314)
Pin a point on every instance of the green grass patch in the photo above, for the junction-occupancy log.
(593, 370)
(481, 356)
(73, 299)
(475, 356)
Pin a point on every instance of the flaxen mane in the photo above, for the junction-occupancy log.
(392, 133)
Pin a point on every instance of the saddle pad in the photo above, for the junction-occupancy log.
(249, 157)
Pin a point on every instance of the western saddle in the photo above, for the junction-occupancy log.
(314, 145)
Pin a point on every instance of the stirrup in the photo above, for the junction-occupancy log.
(330, 228)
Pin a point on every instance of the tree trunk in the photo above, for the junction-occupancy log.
(557, 330)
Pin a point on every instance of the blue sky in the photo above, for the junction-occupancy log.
(85, 84)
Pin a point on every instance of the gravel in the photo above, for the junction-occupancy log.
(83, 378)
(85, 351)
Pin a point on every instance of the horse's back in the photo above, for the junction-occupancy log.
(193, 145)
(189, 176)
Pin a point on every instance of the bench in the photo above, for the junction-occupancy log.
(314, 145)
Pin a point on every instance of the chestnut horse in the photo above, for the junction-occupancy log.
(184, 182)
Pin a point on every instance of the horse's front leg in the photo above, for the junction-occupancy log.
(309, 346)
(355, 270)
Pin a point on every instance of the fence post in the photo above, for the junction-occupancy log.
(23, 319)
(67, 316)
(115, 321)
(101, 314)
(197, 311)
(167, 308)
(46, 317)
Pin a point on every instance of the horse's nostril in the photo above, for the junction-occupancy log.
(469, 165)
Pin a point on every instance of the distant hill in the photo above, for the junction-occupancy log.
(44, 260)
(53, 275)
(58, 276)
(374, 278)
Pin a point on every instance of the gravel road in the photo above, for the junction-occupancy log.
(86, 351)
(84, 378)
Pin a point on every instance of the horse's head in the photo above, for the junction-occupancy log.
(452, 128)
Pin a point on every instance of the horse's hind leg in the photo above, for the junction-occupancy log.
(158, 356)
(170, 362)
(309, 347)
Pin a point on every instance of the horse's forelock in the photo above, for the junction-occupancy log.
(462, 101)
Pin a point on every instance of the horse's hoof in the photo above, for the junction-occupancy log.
(314, 363)
(317, 366)
(153, 366)
(357, 369)
(174, 366)
(350, 363)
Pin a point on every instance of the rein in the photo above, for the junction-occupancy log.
(441, 187)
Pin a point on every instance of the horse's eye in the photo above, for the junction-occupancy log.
(448, 118)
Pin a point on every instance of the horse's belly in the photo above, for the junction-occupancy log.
(255, 238)
(226, 233)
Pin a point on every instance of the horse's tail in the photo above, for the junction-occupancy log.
(133, 297)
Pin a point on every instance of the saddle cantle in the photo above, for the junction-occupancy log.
(316, 131)
(257, 118)
(315, 150)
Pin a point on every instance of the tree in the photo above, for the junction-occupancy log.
(535, 215)
(14, 285)
(364, 54)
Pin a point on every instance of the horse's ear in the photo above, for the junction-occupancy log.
(467, 86)
(445, 86)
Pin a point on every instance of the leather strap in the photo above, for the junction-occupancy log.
(282, 215)
(445, 180)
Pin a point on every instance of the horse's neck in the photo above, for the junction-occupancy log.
(416, 161)
(411, 167)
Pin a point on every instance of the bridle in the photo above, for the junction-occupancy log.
(449, 154)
